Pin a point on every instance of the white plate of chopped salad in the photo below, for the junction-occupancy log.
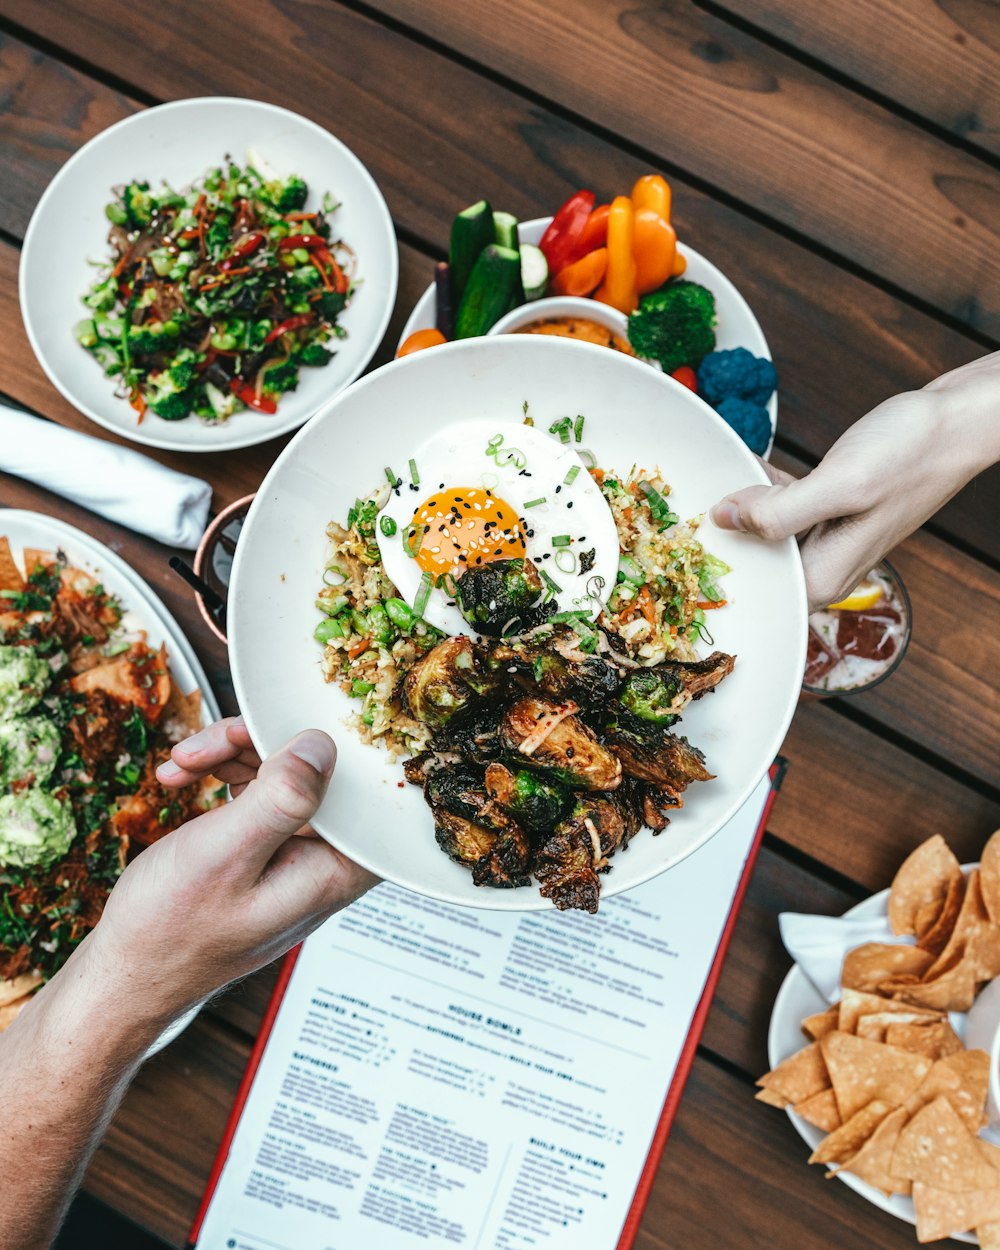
(204, 275)
(331, 616)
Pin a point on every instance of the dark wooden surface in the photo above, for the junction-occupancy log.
(839, 161)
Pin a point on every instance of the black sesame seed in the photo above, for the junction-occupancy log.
(558, 489)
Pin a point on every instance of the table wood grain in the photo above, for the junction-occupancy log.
(839, 162)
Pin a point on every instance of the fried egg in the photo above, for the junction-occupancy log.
(477, 492)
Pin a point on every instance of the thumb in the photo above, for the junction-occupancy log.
(774, 512)
(283, 797)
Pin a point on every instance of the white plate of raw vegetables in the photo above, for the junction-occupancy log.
(737, 326)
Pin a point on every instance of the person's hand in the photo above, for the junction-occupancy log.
(880, 481)
(230, 890)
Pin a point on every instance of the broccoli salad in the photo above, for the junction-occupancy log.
(215, 297)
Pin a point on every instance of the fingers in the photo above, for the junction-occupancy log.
(309, 872)
(211, 751)
(779, 511)
(288, 788)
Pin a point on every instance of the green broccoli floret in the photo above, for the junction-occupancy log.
(166, 398)
(674, 325)
(183, 367)
(138, 204)
(153, 336)
(330, 304)
(315, 354)
(287, 196)
(173, 407)
(221, 405)
(283, 377)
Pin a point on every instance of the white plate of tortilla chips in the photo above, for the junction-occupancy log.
(880, 1085)
(180, 698)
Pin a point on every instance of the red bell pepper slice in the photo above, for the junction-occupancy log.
(560, 240)
(311, 242)
(595, 230)
(243, 390)
(244, 247)
(293, 323)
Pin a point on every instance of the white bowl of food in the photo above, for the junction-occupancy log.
(404, 660)
(215, 270)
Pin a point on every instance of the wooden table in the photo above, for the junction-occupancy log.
(841, 161)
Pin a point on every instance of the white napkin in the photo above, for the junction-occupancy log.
(818, 944)
(117, 483)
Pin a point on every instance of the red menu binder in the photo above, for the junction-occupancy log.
(673, 1095)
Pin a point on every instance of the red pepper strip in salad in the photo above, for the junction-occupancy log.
(340, 282)
(595, 231)
(243, 390)
(293, 323)
(311, 242)
(246, 246)
(562, 235)
(138, 401)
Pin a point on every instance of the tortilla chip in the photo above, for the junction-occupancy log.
(843, 1142)
(138, 676)
(855, 1003)
(988, 1236)
(873, 1161)
(874, 1026)
(963, 1079)
(923, 878)
(772, 1098)
(19, 987)
(953, 989)
(799, 1076)
(925, 920)
(941, 1213)
(936, 938)
(822, 1022)
(937, 1148)
(35, 556)
(867, 966)
(182, 714)
(989, 876)
(10, 574)
(862, 1071)
(821, 1110)
(936, 1041)
(973, 933)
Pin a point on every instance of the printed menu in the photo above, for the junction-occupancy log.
(486, 1080)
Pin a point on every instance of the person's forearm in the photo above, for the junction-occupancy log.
(64, 1066)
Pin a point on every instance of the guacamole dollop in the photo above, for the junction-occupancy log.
(24, 677)
(29, 747)
(36, 828)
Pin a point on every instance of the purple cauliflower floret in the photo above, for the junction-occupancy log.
(750, 421)
(736, 374)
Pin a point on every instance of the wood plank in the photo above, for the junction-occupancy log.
(949, 72)
(862, 346)
(756, 123)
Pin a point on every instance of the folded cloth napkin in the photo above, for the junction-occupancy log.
(117, 483)
(818, 944)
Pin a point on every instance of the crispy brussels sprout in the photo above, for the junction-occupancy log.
(444, 682)
(535, 803)
(666, 761)
(456, 789)
(556, 665)
(548, 740)
(651, 696)
(698, 677)
(502, 597)
(564, 866)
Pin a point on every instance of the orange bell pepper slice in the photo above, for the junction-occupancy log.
(654, 246)
(652, 191)
(419, 340)
(583, 276)
(595, 231)
(618, 288)
(680, 264)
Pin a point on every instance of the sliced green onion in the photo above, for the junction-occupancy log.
(447, 583)
(629, 571)
(588, 457)
(414, 475)
(561, 540)
(581, 626)
(562, 428)
(534, 503)
(387, 525)
(563, 618)
(572, 475)
(578, 428)
(412, 537)
(553, 586)
(657, 504)
(423, 594)
(335, 571)
(566, 561)
(391, 478)
(359, 688)
(495, 442)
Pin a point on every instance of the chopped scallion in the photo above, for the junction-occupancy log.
(572, 475)
(588, 457)
(535, 503)
(414, 475)
(553, 586)
(387, 525)
(391, 478)
(412, 537)
(566, 561)
(423, 594)
(578, 428)
(561, 540)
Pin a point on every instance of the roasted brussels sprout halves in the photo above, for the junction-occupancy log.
(651, 696)
(502, 597)
(534, 802)
(445, 681)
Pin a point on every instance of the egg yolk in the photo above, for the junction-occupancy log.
(464, 526)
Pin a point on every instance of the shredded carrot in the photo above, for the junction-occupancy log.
(598, 476)
(300, 216)
(647, 605)
(358, 648)
(707, 605)
(627, 514)
(138, 401)
(224, 277)
(322, 271)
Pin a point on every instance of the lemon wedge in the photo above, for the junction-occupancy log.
(864, 595)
